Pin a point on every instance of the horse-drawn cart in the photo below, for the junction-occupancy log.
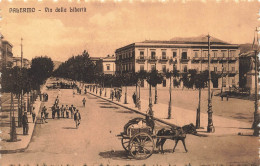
(138, 138)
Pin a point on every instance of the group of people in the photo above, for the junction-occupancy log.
(116, 93)
(62, 112)
(44, 97)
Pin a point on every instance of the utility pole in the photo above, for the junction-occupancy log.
(256, 113)
(20, 110)
(13, 135)
(210, 128)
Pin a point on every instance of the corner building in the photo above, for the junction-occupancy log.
(181, 54)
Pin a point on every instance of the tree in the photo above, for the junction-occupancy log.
(153, 78)
(41, 69)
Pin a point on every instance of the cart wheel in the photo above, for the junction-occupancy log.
(141, 146)
(125, 143)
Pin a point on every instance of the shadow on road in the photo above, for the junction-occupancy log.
(113, 107)
(116, 155)
(125, 112)
(69, 127)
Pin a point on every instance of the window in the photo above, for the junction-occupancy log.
(233, 81)
(205, 53)
(163, 55)
(164, 83)
(233, 68)
(196, 54)
(141, 67)
(185, 69)
(174, 54)
(184, 55)
(224, 69)
(153, 67)
(108, 67)
(164, 68)
(215, 69)
(224, 82)
(141, 54)
(153, 55)
(232, 53)
(224, 53)
(215, 53)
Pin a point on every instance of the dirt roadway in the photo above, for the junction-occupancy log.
(58, 142)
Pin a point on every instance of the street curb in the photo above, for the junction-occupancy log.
(134, 110)
(27, 145)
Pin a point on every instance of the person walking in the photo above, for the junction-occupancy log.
(53, 110)
(71, 111)
(33, 114)
(67, 111)
(58, 111)
(84, 101)
(62, 111)
(77, 118)
(112, 95)
(134, 99)
(25, 123)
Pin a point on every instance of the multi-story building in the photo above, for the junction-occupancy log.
(181, 54)
(6, 54)
(105, 65)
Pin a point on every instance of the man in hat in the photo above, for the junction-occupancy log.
(77, 118)
(25, 123)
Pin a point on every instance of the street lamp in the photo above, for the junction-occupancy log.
(256, 113)
(210, 127)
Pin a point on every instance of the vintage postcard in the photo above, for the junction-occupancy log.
(129, 82)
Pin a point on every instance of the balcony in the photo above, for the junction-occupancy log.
(196, 59)
(185, 59)
(214, 59)
(152, 59)
(173, 61)
(204, 59)
(163, 59)
(233, 72)
(222, 59)
(141, 59)
(232, 59)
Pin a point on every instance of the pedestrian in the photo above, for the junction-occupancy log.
(84, 101)
(57, 100)
(73, 93)
(134, 99)
(149, 117)
(72, 111)
(77, 118)
(53, 109)
(112, 95)
(58, 111)
(62, 111)
(33, 114)
(25, 123)
(67, 111)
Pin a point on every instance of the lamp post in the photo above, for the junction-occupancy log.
(256, 113)
(210, 128)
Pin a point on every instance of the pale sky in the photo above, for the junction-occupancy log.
(109, 25)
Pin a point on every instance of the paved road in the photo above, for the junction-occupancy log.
(94, 143)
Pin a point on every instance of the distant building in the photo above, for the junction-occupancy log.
(105, 65)
(6, 54)
(17, 62)
(181, 54)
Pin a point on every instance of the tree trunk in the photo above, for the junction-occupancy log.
(125, 95)
(170, 102)
(150, 94)
(155, 95)
(198, 111)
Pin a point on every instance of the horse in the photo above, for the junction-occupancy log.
(176, 133)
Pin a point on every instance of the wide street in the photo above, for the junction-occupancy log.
(95, 141)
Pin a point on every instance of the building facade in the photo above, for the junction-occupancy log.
(182, 54)
(105, 65)
(6, 54)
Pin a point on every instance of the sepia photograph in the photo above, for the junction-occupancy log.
(129, 82)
